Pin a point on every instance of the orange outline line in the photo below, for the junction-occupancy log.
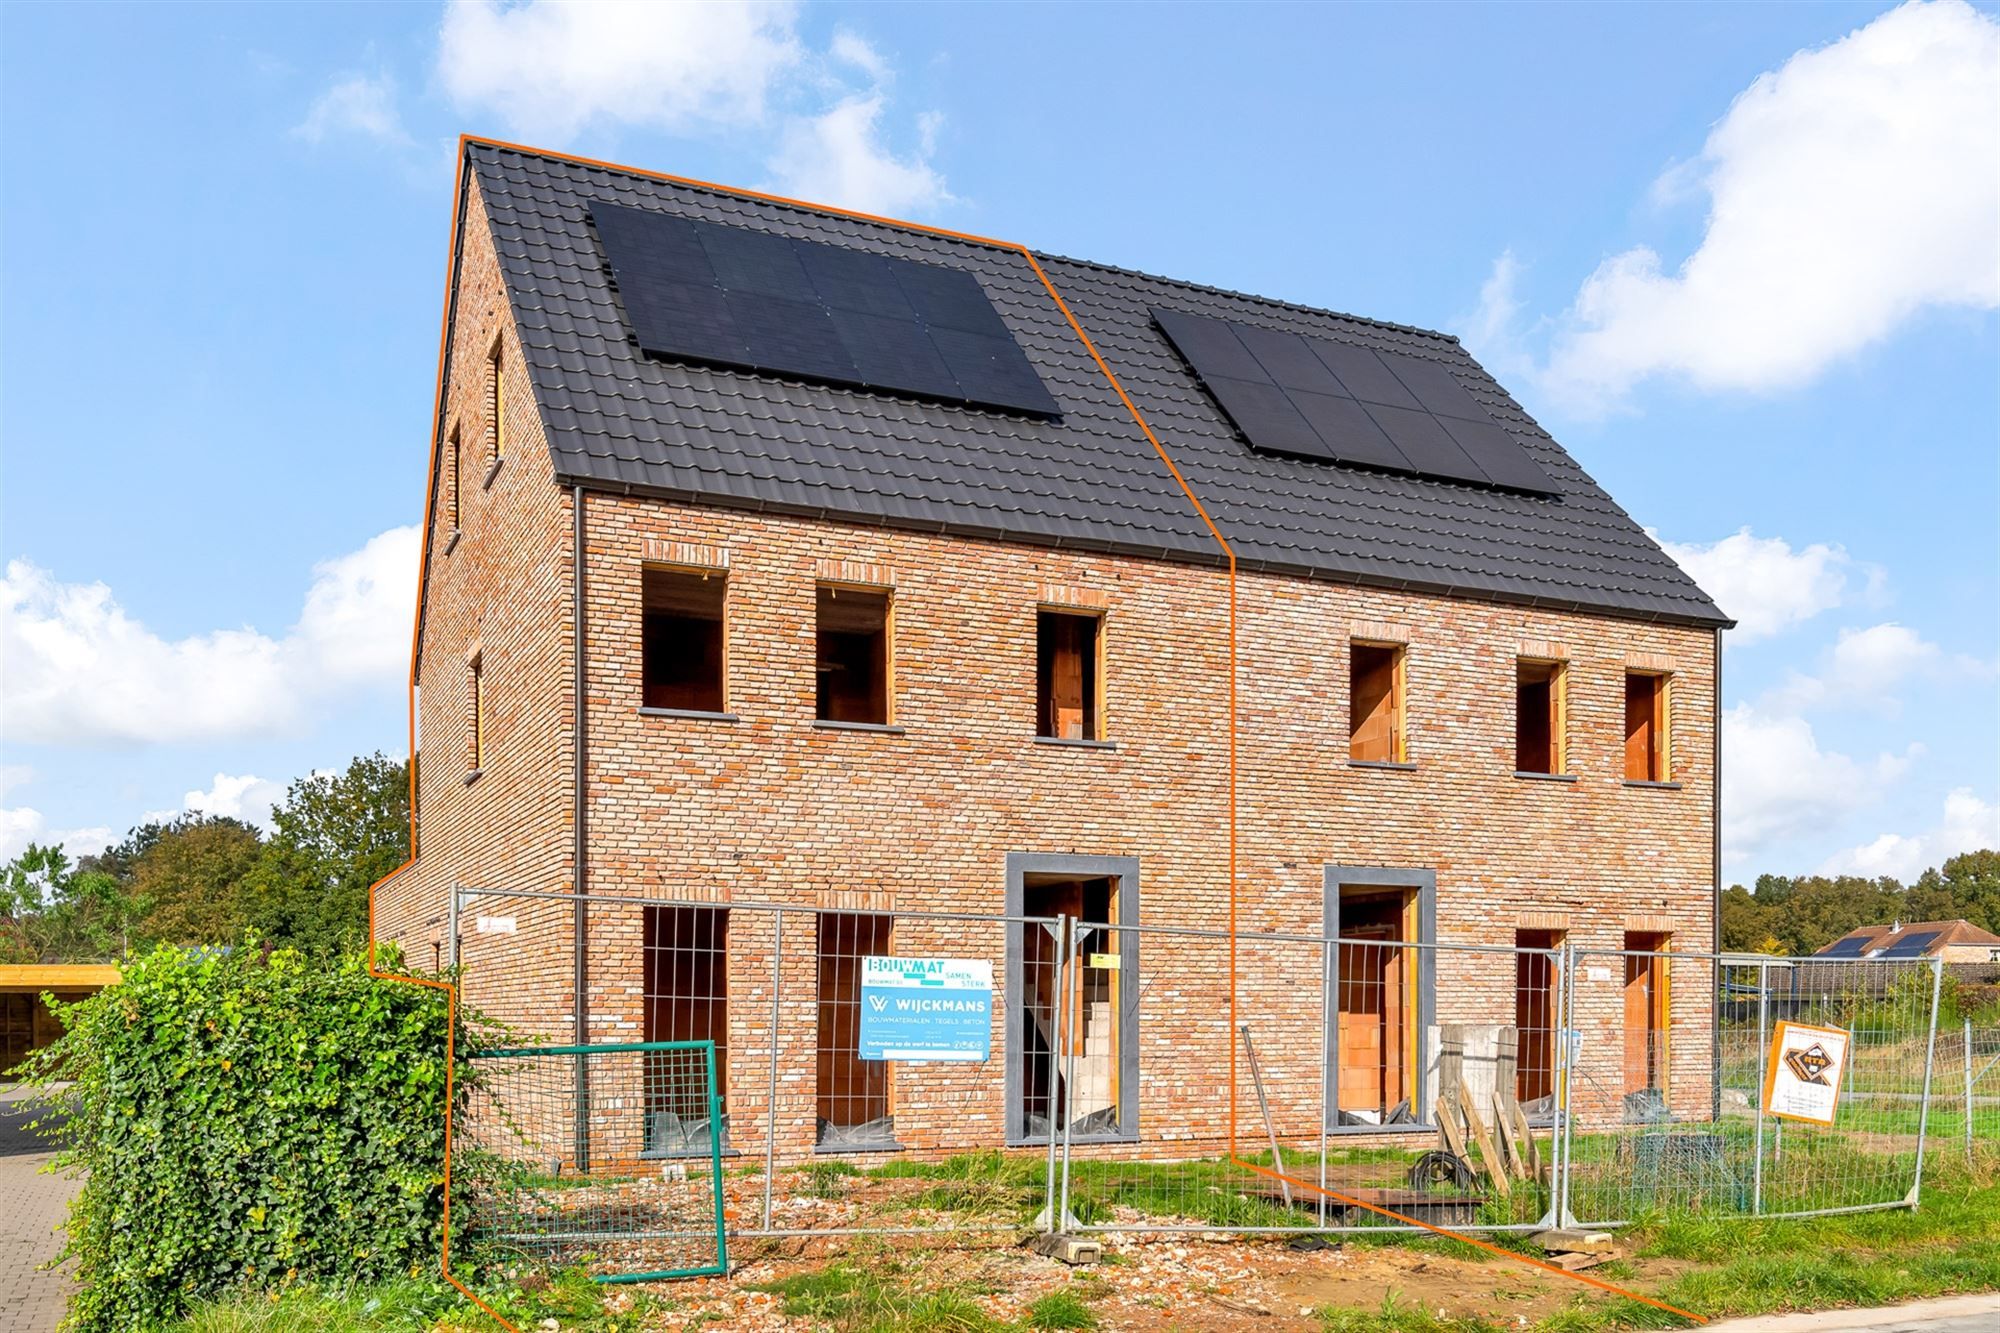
(430, 499)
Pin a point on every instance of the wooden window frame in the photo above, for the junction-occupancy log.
(888, 596)
(1660, 769)
(496, 398)
(1399, 696)
(1558, 715)
(651, 568)
(1094, 728)
(476, 665)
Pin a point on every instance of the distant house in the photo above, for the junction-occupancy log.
(1954, 941)
(26, 1022)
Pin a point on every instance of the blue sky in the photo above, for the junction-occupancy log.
(1744, 261)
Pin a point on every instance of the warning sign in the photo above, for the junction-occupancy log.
(1803, 1071)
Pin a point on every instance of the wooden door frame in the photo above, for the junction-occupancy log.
(1420, 927)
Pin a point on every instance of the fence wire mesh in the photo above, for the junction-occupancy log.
(1478, 1088)
(582, 1155)
(1668, 1112)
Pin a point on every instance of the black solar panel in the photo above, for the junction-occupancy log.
(729, 296)
(1315, 398)
(1910, 946)
(1847, 948)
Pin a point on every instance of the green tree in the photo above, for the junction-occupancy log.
(1966, 886)
(191, 874)
(52, 911)
(334, 835)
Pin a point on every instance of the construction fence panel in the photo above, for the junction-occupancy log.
(634, 1209)
(1671, 1058)
(1344, 1055)
(815, 1135)
(1968, 1088)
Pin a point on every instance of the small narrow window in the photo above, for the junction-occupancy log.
(1066, 675)
(1375, 703)
(682, 648)
(852, 661)
(855, 1109)
(496, 400)
(451, 481)
(1646, 1013)
(1538, 716)
(1647, 754)
(479, 712)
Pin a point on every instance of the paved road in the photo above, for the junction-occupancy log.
(31, 1206)
(1951, 1314)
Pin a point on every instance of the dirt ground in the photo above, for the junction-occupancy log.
(1188, 1282)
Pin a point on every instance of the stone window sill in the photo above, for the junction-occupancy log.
(1075, 744)
(1526, 776)
(692, 714)
(473, 775)
(452, 541)
(1653, 786)
(1394, 766)
(492, 471)
(882, 728)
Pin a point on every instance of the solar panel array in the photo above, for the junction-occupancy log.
(1336, 402)
(1847, 948)
(1911, 946)
(730, 296)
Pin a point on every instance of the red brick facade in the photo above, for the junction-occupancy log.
(769, 808)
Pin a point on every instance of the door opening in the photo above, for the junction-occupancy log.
(1377, 1004)
(1082, 1087)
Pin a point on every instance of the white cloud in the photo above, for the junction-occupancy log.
(1848, 190)
(358, 105)
(838, 157)
(1777, 782)
(1968, 824)
(1863, 669)
(79, 669)
(246, 797)
(1763, 583)
(550, 70)
(23, 824)
(553, 72)
(14, 775)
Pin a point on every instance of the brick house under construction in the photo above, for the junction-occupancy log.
(779, 555)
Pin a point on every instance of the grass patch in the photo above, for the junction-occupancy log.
(849, 1299)
(1060, 1309)
(423, 1306)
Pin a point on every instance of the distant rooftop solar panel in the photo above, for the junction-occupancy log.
(730, 296)
(1910, 946)
(1333, 402)
(1847, 948)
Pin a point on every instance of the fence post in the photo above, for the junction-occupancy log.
(1757, 1090)
(1066, 1060)
(1565, 1145)
(1930, 1057)
(1055, 1193)
(771, 1095)
(1968, 1089)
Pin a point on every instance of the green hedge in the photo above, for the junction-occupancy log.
(247, 1119)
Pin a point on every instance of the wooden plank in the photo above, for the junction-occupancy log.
(1503, 1125)
(1496, 1166)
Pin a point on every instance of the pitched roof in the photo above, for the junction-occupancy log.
(1945, 935)
(618, 419)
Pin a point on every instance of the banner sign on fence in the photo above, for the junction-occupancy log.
(925, 1009)
(1802, 1072)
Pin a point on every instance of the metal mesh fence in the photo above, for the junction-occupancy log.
(1672, 1061)
(628, 1197)
(1470, 1087)
(1415, 1078)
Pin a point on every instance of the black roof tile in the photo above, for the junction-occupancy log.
(616, 418)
